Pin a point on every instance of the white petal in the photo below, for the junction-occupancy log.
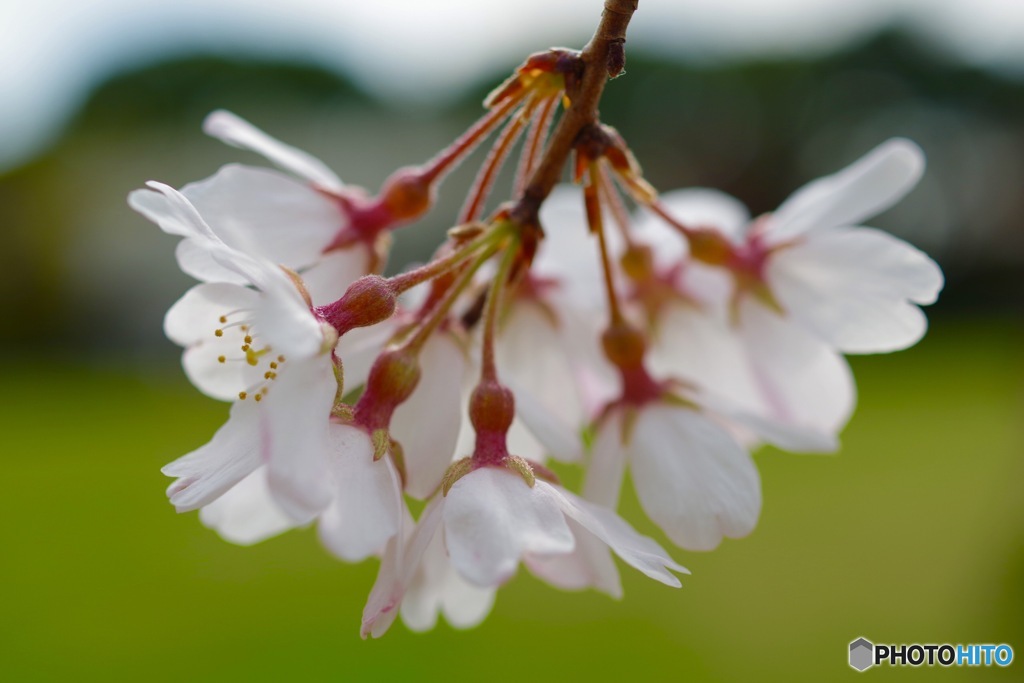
(692, 478)
(603, 479)
(853, 288)
(589, 565)
(170, 210)
(247, 513)
(367, 499)
(788, 437)
(640, 552)
(329, 278)
(699, 347)
(195, 258)
(399, 564)
(801, 380)
(195, 316)
(207, 472)
(287, 324)
(546, 376)
(237, 132)
(568, 253)
(862, 190)
(295, 416)
(427, 425)
(437, 587)
(265, 213)
(558, 439)
(492, 517)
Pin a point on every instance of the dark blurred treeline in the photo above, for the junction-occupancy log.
(80, 269)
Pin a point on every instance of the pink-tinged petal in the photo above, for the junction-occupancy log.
(864, 189)
(265, 213)
(437, 588)
(640, 552)
(427, 425)
(386, 595)
(854, 288)
(295, 417)
(603, 479)
(207, 472)
(801, 380)
(329, 278)
(247, 514)
(589, 565)
(237, 132)
(692, 478)
(399, 564)
(366, 505)
(697, 208)
(492, 518)
(171, 211)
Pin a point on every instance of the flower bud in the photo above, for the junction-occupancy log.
(369, 300)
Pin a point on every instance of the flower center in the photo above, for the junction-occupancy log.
(238, 323)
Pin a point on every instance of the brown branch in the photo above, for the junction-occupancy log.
(601, 57)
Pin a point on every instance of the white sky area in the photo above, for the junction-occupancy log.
(52, 52)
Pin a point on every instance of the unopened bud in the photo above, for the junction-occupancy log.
(369, 300)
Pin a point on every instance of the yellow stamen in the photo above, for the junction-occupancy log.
(242, 395)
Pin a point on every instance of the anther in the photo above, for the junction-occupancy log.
(273, 365)
(219, 333)
(258, 397)
(221, 359)
(242, 395)
(248, 339)
(223, 319)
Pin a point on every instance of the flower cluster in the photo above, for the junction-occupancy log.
(558, 325)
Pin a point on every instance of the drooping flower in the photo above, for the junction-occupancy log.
(490, 521)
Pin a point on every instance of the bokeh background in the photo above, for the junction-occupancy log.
(914, 532)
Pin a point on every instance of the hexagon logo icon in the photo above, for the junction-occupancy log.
(862, 654)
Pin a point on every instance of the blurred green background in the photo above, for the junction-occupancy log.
(913, 533)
